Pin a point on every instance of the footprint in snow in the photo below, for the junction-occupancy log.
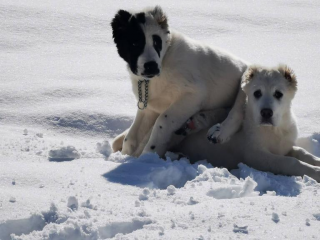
(240, 229)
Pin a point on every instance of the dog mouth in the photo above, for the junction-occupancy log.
(266, 122)
(149, 75)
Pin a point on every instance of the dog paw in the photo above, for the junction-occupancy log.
(129, 146)
(159, 149)
(217, 135)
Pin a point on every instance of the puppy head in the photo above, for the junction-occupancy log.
(142, 40)
(269, 93)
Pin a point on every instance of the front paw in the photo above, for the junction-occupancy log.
(217, 134)
(160, 150)
(129, 147)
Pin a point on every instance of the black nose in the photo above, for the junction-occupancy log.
(266, 113)
(151, 68)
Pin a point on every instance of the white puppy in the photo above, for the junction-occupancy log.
(267, 138)
(173, 77)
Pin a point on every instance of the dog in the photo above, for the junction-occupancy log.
(173, 77)
(266, 139)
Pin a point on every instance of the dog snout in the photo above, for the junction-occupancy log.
(266, 113)
(151, 68)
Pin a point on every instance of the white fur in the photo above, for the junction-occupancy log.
(151, 28)
(264, 147)
(193, 77)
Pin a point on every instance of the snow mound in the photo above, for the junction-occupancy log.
(113, 229)
(268, 182)
(104, 148)
(153, 172)
(234, 190)
(64, 154)
(21, 228)
(63, 224)
(90, 123)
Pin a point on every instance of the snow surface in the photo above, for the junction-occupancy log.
(64, 88)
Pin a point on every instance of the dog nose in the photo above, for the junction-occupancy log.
(266, 113)
(151, 68)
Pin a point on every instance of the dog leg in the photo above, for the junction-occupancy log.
(304, 156)
(118, 141)
(169, 121)
(143, 122)
(277, 164)
(201, 120)
(197, 122)
(142, 143)
(221, 133)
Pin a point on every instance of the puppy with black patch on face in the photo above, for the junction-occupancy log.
(139, 39)
(173, 77)
(266, 140)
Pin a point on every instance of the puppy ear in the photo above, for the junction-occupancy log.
(288, 74)
(160, 17)
(119, 23)
(248, 76)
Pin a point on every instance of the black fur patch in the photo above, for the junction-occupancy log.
(141, 17)
(182, 131)
(157, 43)
(128, 37)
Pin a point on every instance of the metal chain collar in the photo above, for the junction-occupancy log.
(142, 104)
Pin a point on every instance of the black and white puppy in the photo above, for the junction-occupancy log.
(173, 77)
(139, 39)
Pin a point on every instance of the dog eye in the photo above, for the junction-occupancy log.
(257, 94)
(278, 95)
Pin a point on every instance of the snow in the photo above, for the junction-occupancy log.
(104, 148)
(65, 94)
(73, 203)
(171, 190)
(238, 229)
(275, 217)
(64, 153)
